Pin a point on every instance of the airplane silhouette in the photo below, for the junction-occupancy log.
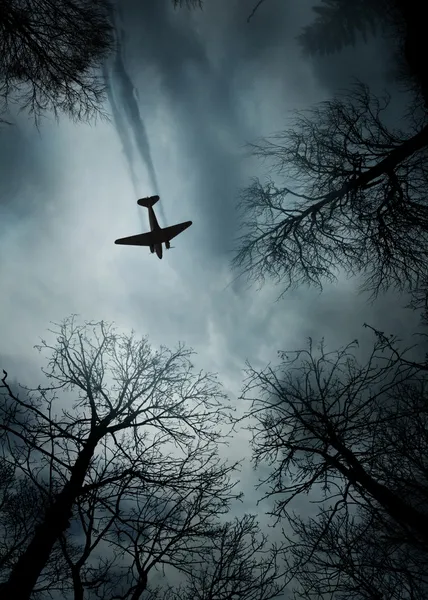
(157, 235)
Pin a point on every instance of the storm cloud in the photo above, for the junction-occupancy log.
(187, 90)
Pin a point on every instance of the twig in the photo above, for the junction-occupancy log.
(253, 12)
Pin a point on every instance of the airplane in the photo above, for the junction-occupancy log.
(157, 235)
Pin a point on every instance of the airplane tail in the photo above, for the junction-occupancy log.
(147, 202)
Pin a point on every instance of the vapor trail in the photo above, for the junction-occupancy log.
(123, 95)
(122, 132)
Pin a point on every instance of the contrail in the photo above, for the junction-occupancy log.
(124, 138)
(121, 129)
(127, 94)
(126, 113)
(127, 91)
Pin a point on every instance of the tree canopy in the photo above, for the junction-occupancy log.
(51, 53)
(118, 459)
(352, 437)
(351, 199)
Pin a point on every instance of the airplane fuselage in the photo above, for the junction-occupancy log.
(154, 226)
(157, 235)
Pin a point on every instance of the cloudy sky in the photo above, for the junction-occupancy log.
(186, 91)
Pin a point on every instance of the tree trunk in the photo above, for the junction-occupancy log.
(416, 41)
(399, 510)
(31, 563)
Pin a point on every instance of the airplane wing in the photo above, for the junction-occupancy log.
(154, 237)
(142, 239)
(168, 233)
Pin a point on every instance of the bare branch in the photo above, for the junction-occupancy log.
(136, 455)
(51, 53)
(255, 9)
(354, 201)
(354, 437)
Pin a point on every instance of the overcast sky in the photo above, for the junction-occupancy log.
(187, 91)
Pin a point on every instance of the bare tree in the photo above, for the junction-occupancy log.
(240, 565)
(135, 526)
(138, 445)
(353, 556)
(355, 438)
(353, 200)
(50, 55)
(340, 22)
(233, 561)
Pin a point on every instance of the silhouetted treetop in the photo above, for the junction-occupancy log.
(351, 436)
(50, 55)
(129, 459)
(349, 196)
(339, 22)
